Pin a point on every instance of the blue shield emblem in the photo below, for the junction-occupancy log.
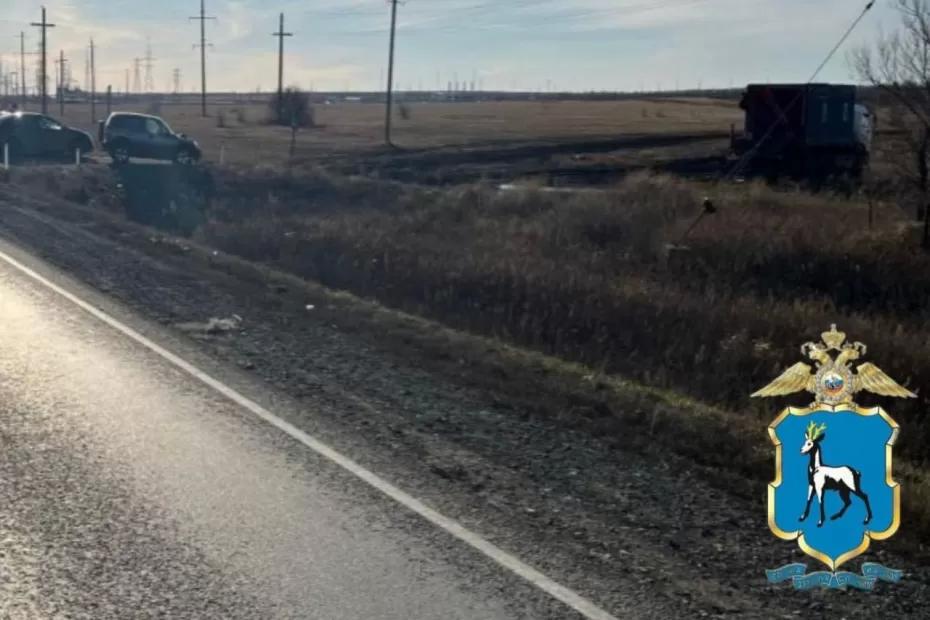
(833, 491)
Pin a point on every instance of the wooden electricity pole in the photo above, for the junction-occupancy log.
(281, 34)
(43, 79)
(203, 57)
(22, 66)
(390, 82)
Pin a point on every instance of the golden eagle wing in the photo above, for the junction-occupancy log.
(795, 379)
(869, 377)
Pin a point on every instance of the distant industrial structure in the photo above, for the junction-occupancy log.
(149, 67)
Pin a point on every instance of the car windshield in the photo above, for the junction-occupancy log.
(49, 123)
(155, 126)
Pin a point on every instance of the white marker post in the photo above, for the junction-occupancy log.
(77, 156)
(6, 155)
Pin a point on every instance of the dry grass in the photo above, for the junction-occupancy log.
(347, 128)
(587, 277)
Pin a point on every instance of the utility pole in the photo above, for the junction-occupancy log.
(61, 82)
(127, 84)
(22, 66)
(281, 34)
(176, 78)
(203, 57)
(93, 86)
(43, 84)
(390, 81)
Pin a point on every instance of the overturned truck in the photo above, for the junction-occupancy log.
(808, 130)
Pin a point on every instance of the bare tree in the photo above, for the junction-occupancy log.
(899, 66)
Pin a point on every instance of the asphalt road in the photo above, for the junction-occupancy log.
(130, 489)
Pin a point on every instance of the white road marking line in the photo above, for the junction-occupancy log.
(567, 596)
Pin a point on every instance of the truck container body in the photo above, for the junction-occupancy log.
(805, 127)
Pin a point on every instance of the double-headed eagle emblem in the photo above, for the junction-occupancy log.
(832, 381)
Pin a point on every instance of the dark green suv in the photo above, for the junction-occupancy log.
(28, 134)
(124, 135)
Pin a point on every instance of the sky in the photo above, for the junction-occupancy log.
(577, 45)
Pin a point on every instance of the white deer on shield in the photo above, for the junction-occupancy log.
(820, 477)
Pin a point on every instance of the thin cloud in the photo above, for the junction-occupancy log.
(582, 43)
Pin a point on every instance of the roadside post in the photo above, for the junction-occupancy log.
(6, 155)
(109, 99)
(77, 156)
(293, 146)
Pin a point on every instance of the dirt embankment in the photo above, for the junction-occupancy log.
(555, 162)
(519, 446)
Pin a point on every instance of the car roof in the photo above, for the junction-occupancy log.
(135, 114)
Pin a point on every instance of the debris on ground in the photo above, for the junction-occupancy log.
(213, 326)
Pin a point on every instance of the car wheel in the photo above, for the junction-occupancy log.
(184, 157)
(119, 153)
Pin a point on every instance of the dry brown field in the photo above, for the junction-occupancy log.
(242, 131)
